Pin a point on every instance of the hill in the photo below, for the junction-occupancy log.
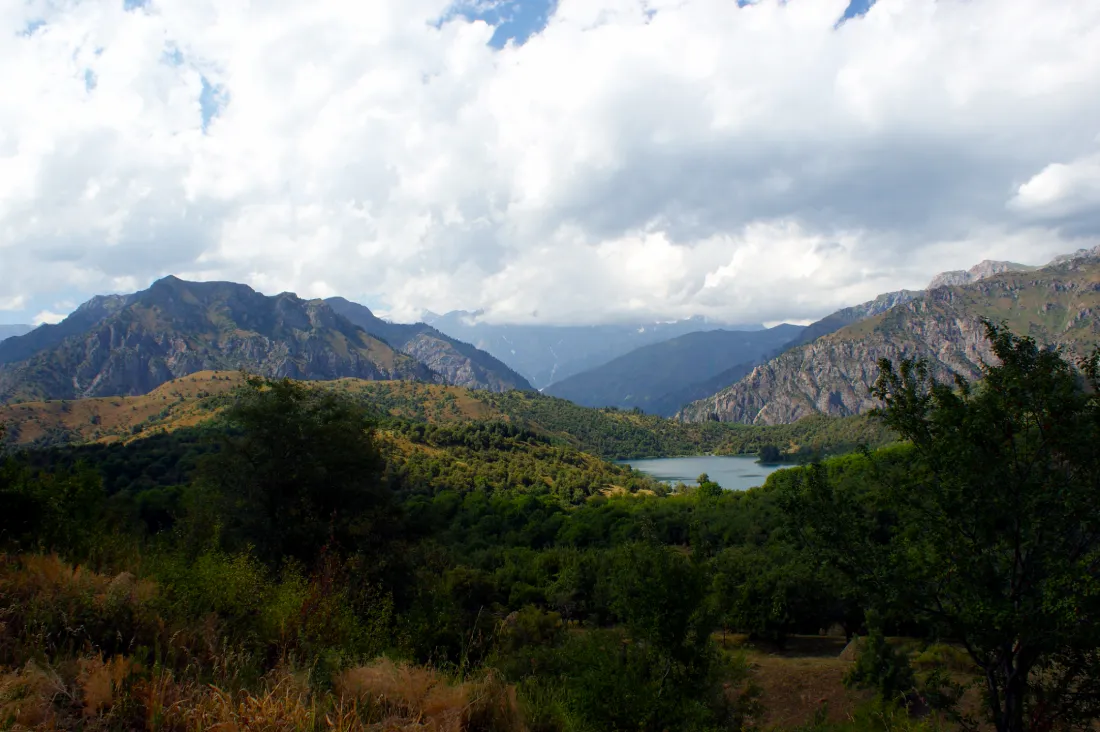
(197, 399)
(459, 363)
(1057, 305)
(176, 328)
(645, 375)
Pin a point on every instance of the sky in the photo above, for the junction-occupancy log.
(576, 161)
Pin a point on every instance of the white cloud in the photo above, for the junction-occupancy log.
(1062, 189)
(47, 317)
(744, 163)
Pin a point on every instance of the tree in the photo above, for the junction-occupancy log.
(707, 488)
(298, 470)
(770, 455)
(994, 536)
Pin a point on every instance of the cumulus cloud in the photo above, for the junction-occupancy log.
(632, 159)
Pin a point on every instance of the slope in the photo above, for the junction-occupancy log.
(641, 377)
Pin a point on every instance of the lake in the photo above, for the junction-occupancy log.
(735, 473)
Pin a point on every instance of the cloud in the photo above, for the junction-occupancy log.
(631, 159)
(47, 317)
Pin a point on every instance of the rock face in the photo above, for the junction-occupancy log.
(129, 345)
(981, 270)
(1058, 305)
(460, 364)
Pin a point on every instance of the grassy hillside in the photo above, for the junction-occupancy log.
(608, 433)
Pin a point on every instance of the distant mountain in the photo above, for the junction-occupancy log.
(129, 345)
(645, 375)
(546, 354)
(7, 331)
(459, 363)
(1058, 304)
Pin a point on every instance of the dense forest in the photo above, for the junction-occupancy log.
(310, 560)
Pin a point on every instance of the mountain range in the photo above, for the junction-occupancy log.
(646, 376)
(546, 354)
(1058, 305)
(130, 344)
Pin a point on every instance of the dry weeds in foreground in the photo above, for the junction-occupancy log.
(96, 694)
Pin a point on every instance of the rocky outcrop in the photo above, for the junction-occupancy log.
(980, 271)
(1058, 305)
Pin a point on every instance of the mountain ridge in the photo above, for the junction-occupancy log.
(122, 345)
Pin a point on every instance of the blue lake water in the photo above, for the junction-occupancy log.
(735, 473)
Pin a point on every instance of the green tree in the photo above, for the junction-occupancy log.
(707, 487)
(994, 537)
(299, 470)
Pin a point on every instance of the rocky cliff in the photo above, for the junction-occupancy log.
(1058, 305)
(129, 345)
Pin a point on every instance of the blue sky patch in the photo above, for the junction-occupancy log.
(212, 100)
(134, 4)
(90, 80)
(31, 27)
(855, 9)
(514, 20)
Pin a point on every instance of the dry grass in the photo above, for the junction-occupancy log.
(382, 697)
(411, 697)
(179, 404)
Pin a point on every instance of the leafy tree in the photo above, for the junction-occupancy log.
(994, 537)
(298, 470)
(770, 455)
(707, 487)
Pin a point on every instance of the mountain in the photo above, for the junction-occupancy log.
(128, 345)
(545, 354)
(641, 377)
(7, 331)
(1058, 304)
(459, 363)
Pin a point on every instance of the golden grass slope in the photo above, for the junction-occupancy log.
(193, 399)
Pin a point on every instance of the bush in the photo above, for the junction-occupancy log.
(882, 667)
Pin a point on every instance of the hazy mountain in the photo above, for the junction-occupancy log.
(7, 331)
(546, 354)
(459, 363)
(129, 345)
(1058, 304)
(645, 375)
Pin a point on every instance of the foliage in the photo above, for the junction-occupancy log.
(300, 471)
(992, 533)
(882, 667)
